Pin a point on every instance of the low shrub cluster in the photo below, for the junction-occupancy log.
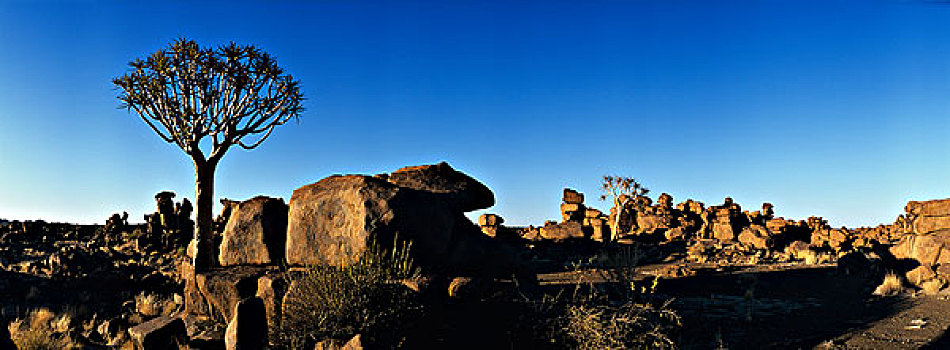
(364, 298)
(41, 329)
(607, 310)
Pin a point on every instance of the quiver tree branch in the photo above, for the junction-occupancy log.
(185, 93)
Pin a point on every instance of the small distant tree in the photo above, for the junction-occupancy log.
(623, 191)
(233, 94)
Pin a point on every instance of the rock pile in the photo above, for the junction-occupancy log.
(332, 223)
(688, 220)
(170, 227)
(927, 246)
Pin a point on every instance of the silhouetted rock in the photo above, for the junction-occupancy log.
(464, 191)
(6, 343)
(572, 197)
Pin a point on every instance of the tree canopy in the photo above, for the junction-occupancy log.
(185, 93)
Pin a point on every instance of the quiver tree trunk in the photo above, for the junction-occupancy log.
(204, 233)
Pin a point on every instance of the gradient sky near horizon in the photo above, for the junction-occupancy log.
(838, 109)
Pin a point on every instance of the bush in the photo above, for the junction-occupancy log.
(151, 305)
(364, 298)
(607, 310)
(891, 285)
(599, 324)
(41, 330)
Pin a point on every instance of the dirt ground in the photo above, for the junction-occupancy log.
(798, 307)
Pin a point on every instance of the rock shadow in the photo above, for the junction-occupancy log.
(793, 308)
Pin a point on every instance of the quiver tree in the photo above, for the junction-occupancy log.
(624, 191)
(232, 95)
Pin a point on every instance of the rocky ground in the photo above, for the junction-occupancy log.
(736, 279)
(104, 278)
(729, 305)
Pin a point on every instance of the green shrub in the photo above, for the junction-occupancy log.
(364, 298)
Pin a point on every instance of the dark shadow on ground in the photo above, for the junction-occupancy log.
(942, 342)
(786, 309)
(100, 293)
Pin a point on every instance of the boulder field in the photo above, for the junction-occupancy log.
(332, 222)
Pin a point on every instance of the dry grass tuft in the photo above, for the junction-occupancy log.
(891, 285)
(41, 330)
(630, 325)
(151, 305)
(61, 323)
(617, 314)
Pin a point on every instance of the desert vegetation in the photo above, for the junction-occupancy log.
(366, 298)
(677, 276)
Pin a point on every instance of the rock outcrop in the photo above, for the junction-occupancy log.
(335, 220)
(255, 233)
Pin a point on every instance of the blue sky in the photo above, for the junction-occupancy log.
(839, 109)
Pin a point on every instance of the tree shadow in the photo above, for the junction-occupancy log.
(794, 308)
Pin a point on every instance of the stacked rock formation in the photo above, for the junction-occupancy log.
(579, 222)
(170, 227)
(490, 224)
(332, 222)
(689, 220)
(927, 245)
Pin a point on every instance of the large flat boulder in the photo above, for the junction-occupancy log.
(931, 224)
(925, 249)
(466, 193)
(333, 221)
(756, 236)
(255, 233)
(938, 207)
